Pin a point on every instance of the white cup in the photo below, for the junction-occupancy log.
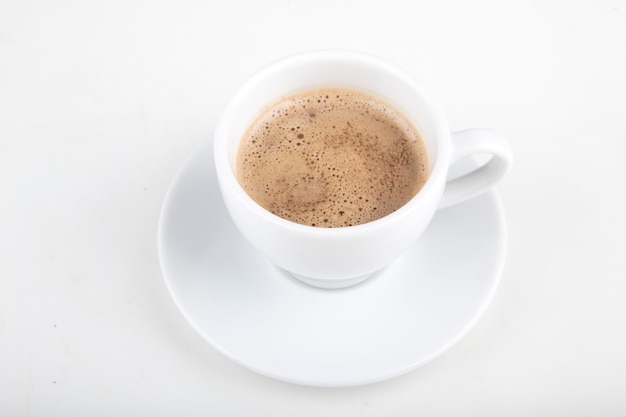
(345, 256)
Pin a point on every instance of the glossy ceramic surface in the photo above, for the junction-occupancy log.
(259, 316)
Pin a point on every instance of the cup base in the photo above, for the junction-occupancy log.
(330, 284)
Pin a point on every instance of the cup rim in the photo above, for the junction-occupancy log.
(226, 174)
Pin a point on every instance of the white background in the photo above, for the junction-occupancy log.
(101, 102)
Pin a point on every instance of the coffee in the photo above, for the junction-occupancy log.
(331, 158)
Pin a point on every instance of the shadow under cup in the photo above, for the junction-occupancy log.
(344, 256)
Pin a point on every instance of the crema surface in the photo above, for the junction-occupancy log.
(331, 158)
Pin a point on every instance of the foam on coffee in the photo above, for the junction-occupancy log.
(331, 158)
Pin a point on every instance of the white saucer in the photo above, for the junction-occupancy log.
(400, 319)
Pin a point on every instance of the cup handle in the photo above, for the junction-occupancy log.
(474, 142)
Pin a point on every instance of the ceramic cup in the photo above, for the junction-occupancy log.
(345, 256)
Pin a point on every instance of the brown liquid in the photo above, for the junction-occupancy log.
(331, 158)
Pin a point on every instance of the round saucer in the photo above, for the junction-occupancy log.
(403, 317)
